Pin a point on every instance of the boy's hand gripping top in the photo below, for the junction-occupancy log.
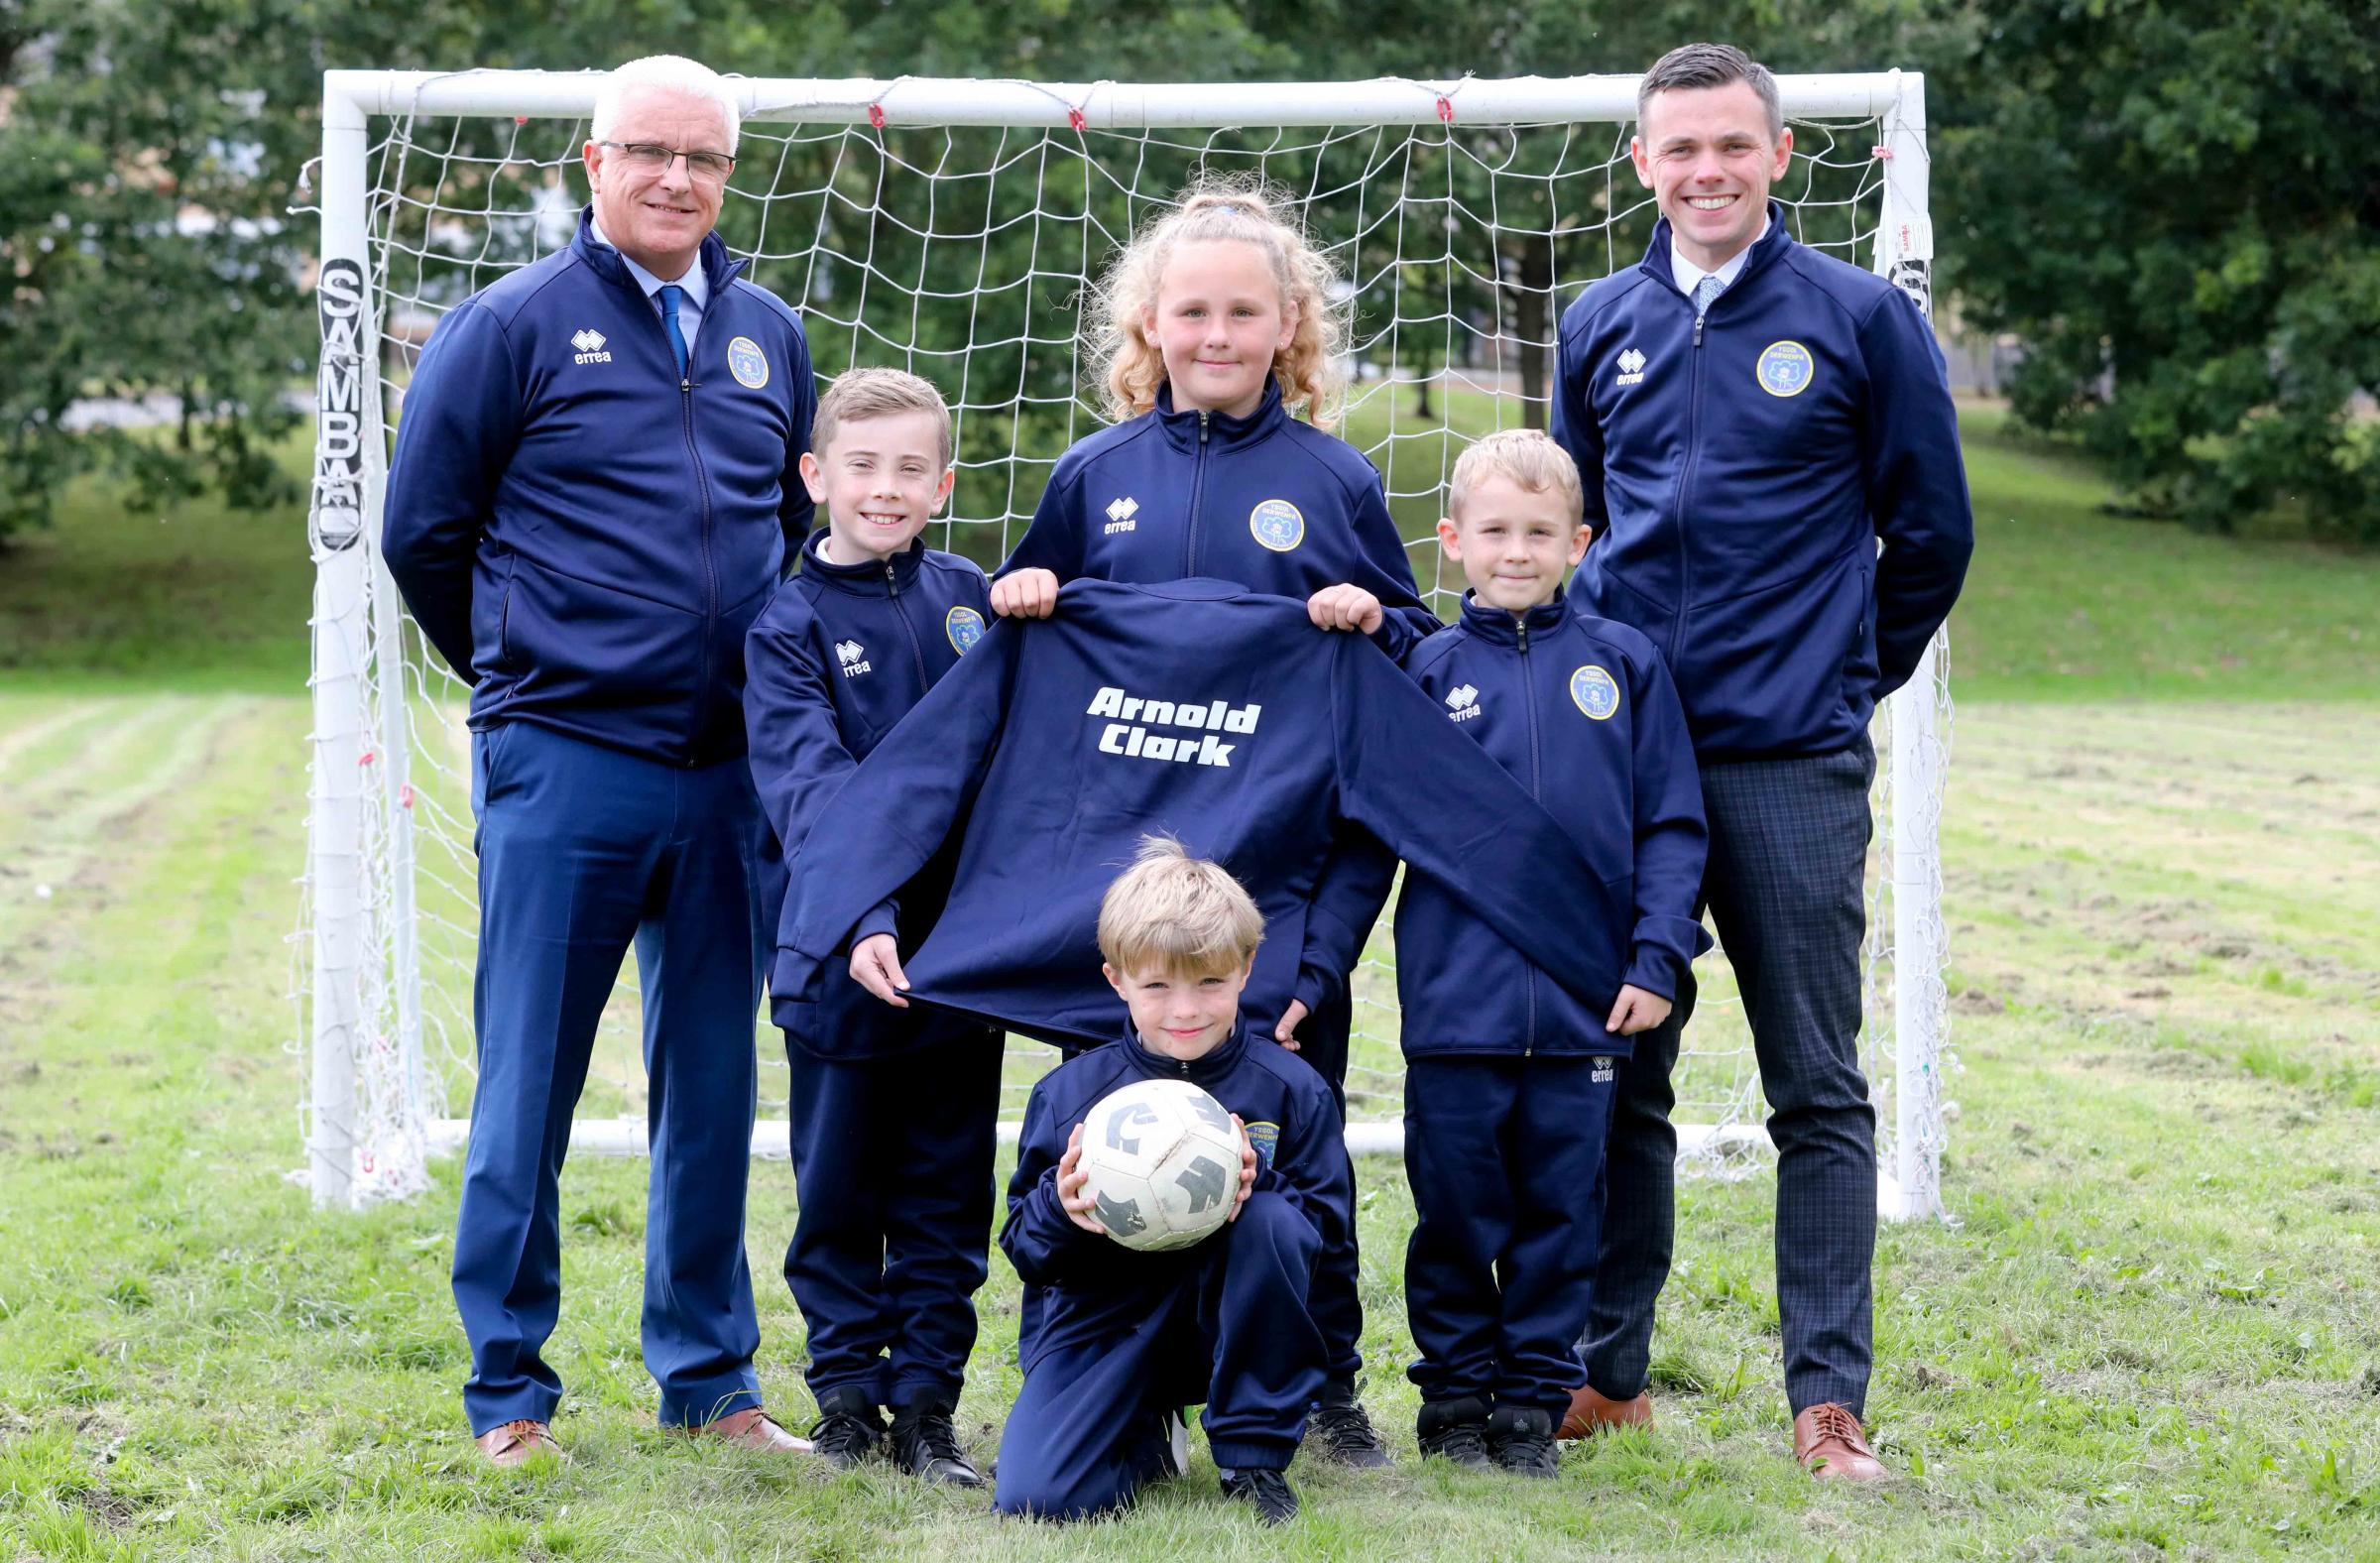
(1026, 594)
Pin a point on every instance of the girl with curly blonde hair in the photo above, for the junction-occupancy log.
(1129, 350)
(1215, 325)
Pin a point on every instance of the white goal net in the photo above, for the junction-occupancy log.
(951, 228)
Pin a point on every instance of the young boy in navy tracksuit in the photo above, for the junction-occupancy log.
(1511, 1078)
(891, 1107)
(1121, 1340)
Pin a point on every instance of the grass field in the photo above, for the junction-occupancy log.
(2150, 1329)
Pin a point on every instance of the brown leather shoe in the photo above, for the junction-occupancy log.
(1591, 1413)
(1827, 1439)
(517, 1443)
(753, 1428)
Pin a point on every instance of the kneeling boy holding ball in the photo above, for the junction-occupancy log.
(1119, 1340)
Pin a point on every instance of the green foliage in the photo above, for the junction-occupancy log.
(145, 254)
(2174, 205)
(2178, 207)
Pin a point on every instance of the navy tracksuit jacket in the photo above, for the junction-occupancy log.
(1119, 1339)
(1267, 500)
(1740, 470)
(891, 1110)
(1580, 712)
(584, 534)
(1510, 1079)
(1195, 708)
(1281, 507)
(582, 537)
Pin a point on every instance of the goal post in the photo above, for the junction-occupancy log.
(953, 227)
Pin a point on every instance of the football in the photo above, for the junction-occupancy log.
(1163, 1160)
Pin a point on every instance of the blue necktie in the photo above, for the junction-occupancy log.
(671, 296)
(1704, 291)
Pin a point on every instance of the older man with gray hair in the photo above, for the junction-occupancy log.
(588, 506)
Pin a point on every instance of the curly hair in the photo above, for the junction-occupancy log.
(1221, 207)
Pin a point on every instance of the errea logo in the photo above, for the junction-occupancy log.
(854, 658)
(589, 343)
(1603, 1072)
(1631, 367)
(1462, 703)
(1119, 515)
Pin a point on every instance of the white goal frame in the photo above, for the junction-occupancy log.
(361, 766)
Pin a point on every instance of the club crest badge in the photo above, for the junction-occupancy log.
(1786, 369)
(1266, 1139)
(747, 362)
(1594, 692)
(965, 627)
(1279, 525)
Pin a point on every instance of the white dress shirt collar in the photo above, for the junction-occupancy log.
(697, 287)
(1689, 276)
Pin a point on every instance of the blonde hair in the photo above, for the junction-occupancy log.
(1214, 208)
(668, 73)
(1527, 457)
(1177, 914)
(878, 393)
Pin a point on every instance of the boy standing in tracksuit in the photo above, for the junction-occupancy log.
(1511, 1078)
(892, 1107)
(1121, 1341)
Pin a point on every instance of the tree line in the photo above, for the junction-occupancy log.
(2175, 207)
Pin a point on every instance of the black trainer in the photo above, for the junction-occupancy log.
(925, 1444)
(1268, 1492)
(850, 1428)
(1338, 1429)
(1455, 1431)
(1520, 1438)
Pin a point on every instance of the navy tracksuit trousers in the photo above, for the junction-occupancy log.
(1505, 1157)
(1234, 1334)
(1321, 1041)
(892, 1160)
(584, 851)
(1336, 1303)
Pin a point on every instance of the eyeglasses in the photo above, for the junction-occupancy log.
(650, 157)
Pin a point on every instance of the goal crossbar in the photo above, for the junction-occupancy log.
(1111, 105)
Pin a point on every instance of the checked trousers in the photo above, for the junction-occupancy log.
(1784, 885)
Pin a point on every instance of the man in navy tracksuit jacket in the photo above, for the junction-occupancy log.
(1752, 418)
(1194, 708)
(1509, 1077)
(586, 511)
(1281, 507)
(892, 1111)
(1122, 1339)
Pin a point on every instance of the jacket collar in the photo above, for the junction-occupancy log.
(1775, 242)
(1198, 1072)
(874, 578)
(1224, 431)
(1498, 625)
(718, 267)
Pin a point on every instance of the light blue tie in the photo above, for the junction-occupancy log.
(1704, 291)
(671, 296)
